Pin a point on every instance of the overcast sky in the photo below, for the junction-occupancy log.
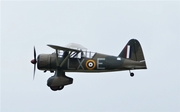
(103, 27)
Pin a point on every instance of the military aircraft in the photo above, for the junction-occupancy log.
(76, 58)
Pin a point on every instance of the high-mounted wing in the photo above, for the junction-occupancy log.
(62, 48)
(70, 50)
(77, 46)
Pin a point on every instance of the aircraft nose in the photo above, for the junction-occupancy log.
(33, 61)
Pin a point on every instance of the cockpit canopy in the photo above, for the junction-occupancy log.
(73, 54)
(76, 46)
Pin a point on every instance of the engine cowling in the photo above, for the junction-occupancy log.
(46, 62)
(58, 82)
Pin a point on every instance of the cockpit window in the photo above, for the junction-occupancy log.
(73, 54)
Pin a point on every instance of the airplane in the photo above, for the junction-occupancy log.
(76, 58)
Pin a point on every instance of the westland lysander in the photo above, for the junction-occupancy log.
(76, 58)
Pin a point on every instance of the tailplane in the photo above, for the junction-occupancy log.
(132, 51)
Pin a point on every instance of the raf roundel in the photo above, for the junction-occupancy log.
(90, 64)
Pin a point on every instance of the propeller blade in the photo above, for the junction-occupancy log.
(34, 71)
(34, 61)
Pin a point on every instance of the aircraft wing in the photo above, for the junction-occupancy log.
(77, 46)
(63, 48)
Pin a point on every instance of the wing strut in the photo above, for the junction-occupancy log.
(57, 62)
(65, 59)
(64, 49)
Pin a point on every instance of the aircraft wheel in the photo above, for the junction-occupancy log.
(55, 88)
(131, 74)
(61, 87)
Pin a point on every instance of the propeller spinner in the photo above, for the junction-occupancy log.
(34, 61)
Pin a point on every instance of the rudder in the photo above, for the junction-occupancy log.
(132, 51)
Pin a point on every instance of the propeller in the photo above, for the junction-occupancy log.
(34, 61)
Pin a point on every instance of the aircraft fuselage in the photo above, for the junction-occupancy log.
(98, 63)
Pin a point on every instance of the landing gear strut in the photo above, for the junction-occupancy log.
(131, 73)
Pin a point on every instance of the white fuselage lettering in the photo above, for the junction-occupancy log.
(99, 62)
(69, 65)
(80, 64)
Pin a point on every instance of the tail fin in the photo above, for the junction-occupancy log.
(132, 51)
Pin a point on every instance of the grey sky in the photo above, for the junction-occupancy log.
(99, 26)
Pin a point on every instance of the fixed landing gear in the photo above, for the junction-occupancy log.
(55, 88)
(131, 73)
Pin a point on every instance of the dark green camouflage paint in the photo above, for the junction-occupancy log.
(98, 63)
